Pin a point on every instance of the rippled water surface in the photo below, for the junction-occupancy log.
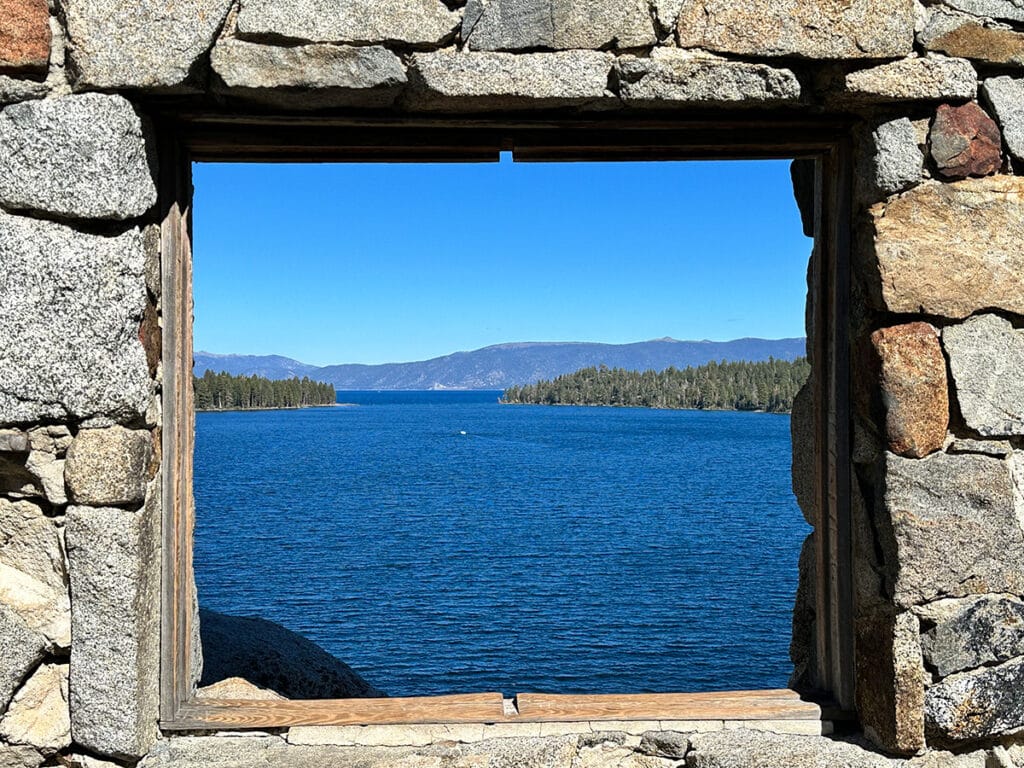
(442, 543)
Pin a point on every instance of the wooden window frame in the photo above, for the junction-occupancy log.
(184, 138)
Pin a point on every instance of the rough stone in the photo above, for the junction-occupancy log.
(986, 357)
(15, 479)
(760, 749)
(109, 466)
(514, 25)
(52, 439)
(914, 390)
(49, 472)
(20, 650)
(666, 13)
(976, 705)
(1010, 10)
(39, 716)
(931, 78)
(870, 29)
(25, 36)
(665, 744)
(152, 44)
(114, 565)
(802, 469)
(965, 141)
(999, 448)
(270, 656)
(239, 689)
(894, 160)
(20, 757)
(446, 81)
(952, 249)
(1006, 97)
(890, 680)
(802, 643)
(308, 76)
(958, 35)
(33, 577)
(413, 22)
(13, 441)
(69, 323)
(964, 634)
(80, 156)
(671, 76)
(949, 528)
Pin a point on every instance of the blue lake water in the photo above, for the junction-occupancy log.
(439, 542)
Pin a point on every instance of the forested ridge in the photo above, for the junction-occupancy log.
(224, 392)
(740, 386)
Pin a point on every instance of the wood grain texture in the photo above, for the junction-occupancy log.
(468, 708)
(735, 705)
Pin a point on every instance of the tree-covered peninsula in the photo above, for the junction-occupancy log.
(743, 386)
(224, 392)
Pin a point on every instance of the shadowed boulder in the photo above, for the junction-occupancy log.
(270, 656)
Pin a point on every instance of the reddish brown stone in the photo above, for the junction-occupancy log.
(914, 390)
(24, 35)
(965, 142)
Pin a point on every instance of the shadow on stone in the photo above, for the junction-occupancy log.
(270, 656)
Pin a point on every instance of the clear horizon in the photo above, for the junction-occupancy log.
(497, 344)
(376, 263)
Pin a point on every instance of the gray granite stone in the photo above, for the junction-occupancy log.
(150, 44)
(81, 156)
(514, 25)
(968, 633)
(308, 76)
(114, 565)
(974, 705)
(1006, 97)
(671, 76)
(986, 357)
(894, 160)
(448, 81)
(413, 22)
(1011, 10)
(948, 527)
(856, 29)
(109, 466)
(929, 78)
(20, 650)
(69, 323)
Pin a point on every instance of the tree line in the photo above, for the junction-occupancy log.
(224, 392)
(740, 386)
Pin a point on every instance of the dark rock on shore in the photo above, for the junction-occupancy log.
(270, 656)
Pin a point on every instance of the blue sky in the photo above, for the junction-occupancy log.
(374, 263)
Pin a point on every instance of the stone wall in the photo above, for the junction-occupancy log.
(935, 95)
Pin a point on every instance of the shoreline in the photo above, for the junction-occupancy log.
(655, 408)
(275, 408)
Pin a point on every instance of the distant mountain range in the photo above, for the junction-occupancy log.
(505, 365)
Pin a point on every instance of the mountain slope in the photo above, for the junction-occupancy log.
(504, 365)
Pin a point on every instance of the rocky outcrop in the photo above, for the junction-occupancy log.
(952, 249)
(913, 388)
(272, 657)
(986, 357)
(82, 156)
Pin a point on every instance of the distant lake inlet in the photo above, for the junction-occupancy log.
(439, 542)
